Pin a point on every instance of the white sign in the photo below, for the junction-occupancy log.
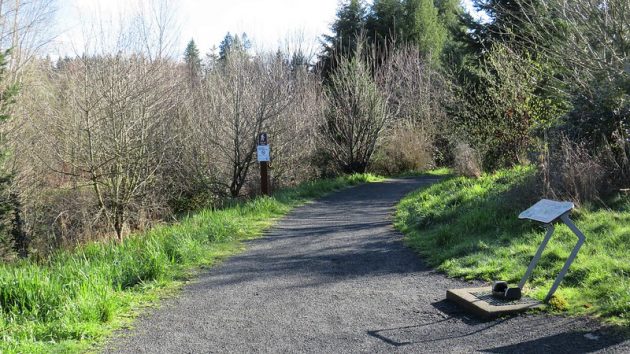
(263, 153)
(546, 211)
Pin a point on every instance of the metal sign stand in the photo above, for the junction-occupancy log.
(548, 212)
(501, 299)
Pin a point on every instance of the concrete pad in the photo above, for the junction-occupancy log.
(480, 302)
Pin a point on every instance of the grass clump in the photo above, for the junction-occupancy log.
(469, 228)
(75, 299)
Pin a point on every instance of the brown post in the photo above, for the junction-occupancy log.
(263, 158)
(264, 178)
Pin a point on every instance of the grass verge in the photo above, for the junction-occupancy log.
(74, 300)
(469, 228)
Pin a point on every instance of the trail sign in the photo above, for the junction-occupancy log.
(262, 151)
(262, 139)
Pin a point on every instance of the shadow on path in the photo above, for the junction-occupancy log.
(334, 276)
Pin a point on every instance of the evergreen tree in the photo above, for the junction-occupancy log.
(11, 224)
(211, 60)
(349, 24)
(193, 62)
(385, 22)
(233, 44)
(424, 28)
(245, 43)
(298, 61)
(509, 23)
(225, 46)
(455, 20)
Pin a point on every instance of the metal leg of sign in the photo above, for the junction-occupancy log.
(536, 258)
(563, 272)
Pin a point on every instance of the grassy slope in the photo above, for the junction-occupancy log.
(78, 298)
(469, 228)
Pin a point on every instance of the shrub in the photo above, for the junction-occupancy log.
(408, 147)
(467, 161)
(569, 171)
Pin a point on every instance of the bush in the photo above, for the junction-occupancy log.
(467, 161)
(407, 147)
(569, 171)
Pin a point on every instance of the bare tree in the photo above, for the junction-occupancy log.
(294, 133)
(25, 27)
(417, 94)
(356, 115)
(245, 96)
(109, 130)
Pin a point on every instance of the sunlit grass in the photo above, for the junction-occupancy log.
(76, 299)
(469, 228)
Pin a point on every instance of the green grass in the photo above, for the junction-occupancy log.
(469, 228)
(437, 172)
(74, 300)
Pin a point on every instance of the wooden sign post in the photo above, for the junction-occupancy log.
(262, 151)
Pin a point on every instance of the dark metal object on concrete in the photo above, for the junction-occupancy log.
(501, 290)
(482, 302)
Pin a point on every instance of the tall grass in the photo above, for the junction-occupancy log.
(469, 228)
(75, 299)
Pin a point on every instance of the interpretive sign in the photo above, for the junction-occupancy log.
(546, 211)
(501, 299)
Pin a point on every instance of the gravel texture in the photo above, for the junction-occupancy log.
(334, 276)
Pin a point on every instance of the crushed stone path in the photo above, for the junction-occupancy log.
(334, 276)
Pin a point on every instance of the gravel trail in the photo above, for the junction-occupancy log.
(334, 276)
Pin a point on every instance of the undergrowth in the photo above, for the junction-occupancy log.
(469, 228)
(74, 300)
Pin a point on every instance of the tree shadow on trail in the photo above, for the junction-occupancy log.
(569, 342)
(345, 236)
(535, 333)
(435, 327)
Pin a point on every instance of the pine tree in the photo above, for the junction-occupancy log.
(193, 62)
(226, 46)
(385, 22)
(348, 26)
(233, 44)
(11, 225)
(424, 28)
(454, 19)
(509, 23)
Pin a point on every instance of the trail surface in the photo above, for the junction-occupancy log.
(334, 276)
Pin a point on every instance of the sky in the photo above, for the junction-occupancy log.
(270, 24)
